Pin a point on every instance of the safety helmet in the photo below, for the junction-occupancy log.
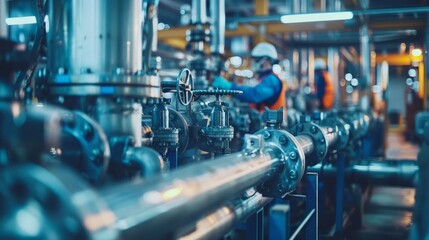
(319, 64)
(264, 49)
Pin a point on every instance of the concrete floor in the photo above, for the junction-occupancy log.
(388, 213)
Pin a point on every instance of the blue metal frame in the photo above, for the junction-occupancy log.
(280, 221)
(173, 158)
(255, 226)
(312, 205)
(340, 193)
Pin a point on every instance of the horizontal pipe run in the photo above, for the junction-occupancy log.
(221, 221)
(305, 143)
(388, 172)
(331, 135)
(141, 208)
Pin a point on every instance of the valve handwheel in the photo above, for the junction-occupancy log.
(183, 86)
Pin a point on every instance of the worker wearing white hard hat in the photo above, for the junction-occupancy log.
(270, 91)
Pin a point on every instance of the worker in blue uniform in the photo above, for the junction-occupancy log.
(271, 90)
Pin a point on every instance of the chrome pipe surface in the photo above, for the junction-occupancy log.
(199, 12)
(306, 144)
(221, 221)
(331, 135)
(399, 173)
(217, 26)
(141, 207)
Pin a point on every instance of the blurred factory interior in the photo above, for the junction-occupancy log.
(214, 119)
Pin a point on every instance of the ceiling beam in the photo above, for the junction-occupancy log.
(274, 28)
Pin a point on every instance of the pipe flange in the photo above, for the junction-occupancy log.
(166, 136)
(343, 131)
(178, 122)
(282, 145)
(226, 133)
(56, 203)
(319, 139)
(83, 135)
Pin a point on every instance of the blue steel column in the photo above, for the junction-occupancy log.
(280, 222)
(312, 204)
(173, 158)
(340, 193)
(255, 226)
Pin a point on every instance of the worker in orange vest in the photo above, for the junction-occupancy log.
(324, 87)
(270, 91)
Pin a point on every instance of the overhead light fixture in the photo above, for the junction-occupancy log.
(416, 52)
(21, 20)
(316, 17)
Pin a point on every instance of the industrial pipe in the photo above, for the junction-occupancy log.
(199, 12)
(272, 160)
(184, 194)
(220, 222)
(217, 26)
(387, 172)
(3, 16)
(306, 144)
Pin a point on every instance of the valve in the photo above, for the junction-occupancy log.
(219, 132)
(273, 118)
(182, 86)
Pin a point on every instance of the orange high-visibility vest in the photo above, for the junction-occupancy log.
(329, 97)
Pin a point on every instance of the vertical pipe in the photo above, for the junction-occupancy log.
(199, 12)
(365, 64)
(426, 62)
(333, 56)
(217, 26)
(3, 16)
(150, 32)
(365, 57)
(90, 37)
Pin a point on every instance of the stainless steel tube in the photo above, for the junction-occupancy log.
(399, 173)
(3, 16)
(217, 26)
(174, 200)
(331, 135)
(305, 143)
(221, 221)
(96, 36)
(199, 11)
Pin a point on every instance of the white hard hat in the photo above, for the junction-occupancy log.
(319, 64)
(265, 49)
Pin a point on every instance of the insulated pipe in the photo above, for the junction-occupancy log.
(221, 221)
(387, 172)
(217, 26)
